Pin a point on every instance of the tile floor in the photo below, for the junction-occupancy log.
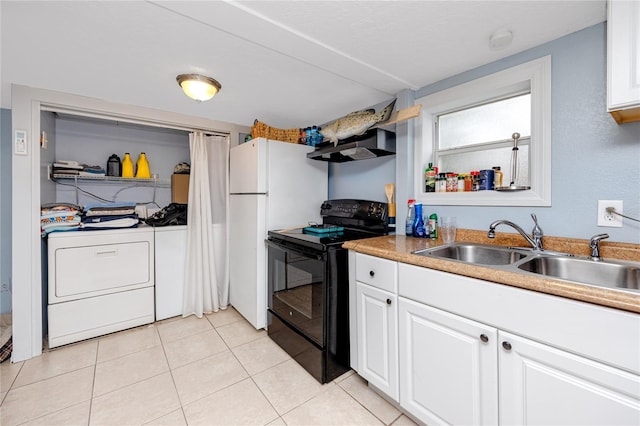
(217, 370)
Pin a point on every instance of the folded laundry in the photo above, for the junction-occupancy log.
(92, 172)
(108, 218)
(59, 207)
(109, 209)
(69, 223)
(59, 165)
(75, 168)
(68, 162)
(110, 222)
(47, 223)
(59, 217)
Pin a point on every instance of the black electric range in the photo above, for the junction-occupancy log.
(308, 278)
(342, 220)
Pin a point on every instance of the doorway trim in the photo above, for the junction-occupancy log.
(27, 257)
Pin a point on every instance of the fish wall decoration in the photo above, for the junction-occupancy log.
(355, 123)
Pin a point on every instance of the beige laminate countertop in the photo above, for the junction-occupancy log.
(400, 248)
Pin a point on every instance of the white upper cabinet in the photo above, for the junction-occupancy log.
(623, 60)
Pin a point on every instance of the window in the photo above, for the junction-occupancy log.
(470, 127)
(480, 137)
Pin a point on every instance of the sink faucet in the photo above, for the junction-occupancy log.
(594, 243)
(536, 234)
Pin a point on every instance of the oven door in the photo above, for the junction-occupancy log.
(297, 287)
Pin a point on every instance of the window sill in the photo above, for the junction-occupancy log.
(484, 198)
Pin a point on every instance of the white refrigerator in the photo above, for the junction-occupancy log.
(272, 185)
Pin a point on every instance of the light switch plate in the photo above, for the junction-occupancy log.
(20, 142)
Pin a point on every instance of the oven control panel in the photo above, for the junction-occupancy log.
(354, 209)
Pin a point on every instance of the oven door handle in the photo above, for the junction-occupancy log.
(284, 245)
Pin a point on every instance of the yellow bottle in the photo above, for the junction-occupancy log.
(142, 167)
(127, 166)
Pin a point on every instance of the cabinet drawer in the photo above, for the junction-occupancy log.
(380, 273)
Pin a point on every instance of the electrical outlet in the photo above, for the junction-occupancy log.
(609, 219)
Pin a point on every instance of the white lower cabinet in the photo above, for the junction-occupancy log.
(377, 338)
(472, 352)
(373, 317)
(542, 385)
(448, 367)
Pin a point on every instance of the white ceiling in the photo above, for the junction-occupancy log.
(286, 63)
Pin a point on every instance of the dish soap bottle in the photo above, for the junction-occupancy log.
(433, 226)
(408, 224)
(127, 166)
(142, 167)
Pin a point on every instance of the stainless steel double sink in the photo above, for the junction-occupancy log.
(612, 274)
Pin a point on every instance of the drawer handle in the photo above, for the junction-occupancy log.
(107, 253)
(388, 301)
(506, 345)
(372, 273)
(484, 338)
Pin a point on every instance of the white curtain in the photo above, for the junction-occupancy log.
(206, 286)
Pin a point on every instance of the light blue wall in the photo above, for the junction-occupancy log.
(592, 157)
(375, 172)
(5, 210)
(93, 141)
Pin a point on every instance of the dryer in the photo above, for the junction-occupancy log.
(99, 282)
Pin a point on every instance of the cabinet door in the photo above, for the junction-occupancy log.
(448, 366)
(623, 48)
(543, 385)
(377, 338)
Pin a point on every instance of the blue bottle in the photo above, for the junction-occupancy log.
(418, 222)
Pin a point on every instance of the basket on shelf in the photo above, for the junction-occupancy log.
(262, 130)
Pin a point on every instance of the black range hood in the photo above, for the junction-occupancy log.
(373, 143)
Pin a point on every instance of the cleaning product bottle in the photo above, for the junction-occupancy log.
(408, 225)
(430, 179)
(142, 167)
(127, 166)
(418, 222)
(433, 226)
(114, 166)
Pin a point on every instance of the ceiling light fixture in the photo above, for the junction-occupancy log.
(500, 39)
(198, 87)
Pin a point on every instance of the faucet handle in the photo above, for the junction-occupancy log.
(594, 244)
(537, 231)
(597, 238)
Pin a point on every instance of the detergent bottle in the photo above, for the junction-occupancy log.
(127, 166)
(142, 167)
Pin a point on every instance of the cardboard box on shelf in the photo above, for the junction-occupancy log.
(180, 188)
